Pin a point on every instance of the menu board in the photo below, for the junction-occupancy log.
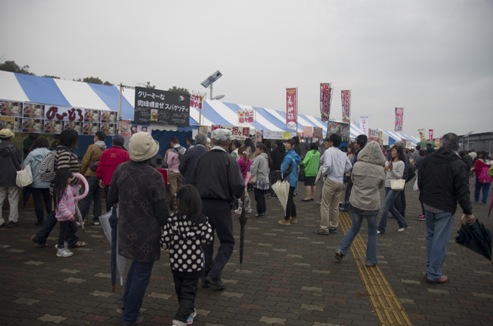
(161, 107)
(50, 119)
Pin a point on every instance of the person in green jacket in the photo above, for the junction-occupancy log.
(311, 162)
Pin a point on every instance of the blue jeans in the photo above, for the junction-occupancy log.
(438, 229)
(478, 187)
(138, 277)
(40, 196)
(93, 194)
(48, 225)
(388, 205)
(371, 246)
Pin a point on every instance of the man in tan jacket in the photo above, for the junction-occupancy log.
(88, 169)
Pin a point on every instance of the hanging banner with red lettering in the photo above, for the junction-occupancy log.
(196, 101)
(346, 105)
(245, 116)
(430, 134)
(399, 118)
(325, 100)
(292, 108)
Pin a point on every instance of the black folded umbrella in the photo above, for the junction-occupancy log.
(475, 237)
(242, 220)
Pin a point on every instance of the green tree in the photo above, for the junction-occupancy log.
(50, 76)
(93, 80)
(179, 90)
(11, 66)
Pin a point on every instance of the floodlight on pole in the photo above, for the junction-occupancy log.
(210, 80)
(219, 97)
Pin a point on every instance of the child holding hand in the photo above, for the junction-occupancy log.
(65, 196)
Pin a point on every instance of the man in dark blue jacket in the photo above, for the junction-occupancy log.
(189, 162)
(443, 182)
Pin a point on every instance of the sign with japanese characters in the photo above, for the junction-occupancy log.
(399, 118)
(325, 100)
(292, 108)
(52, 119)
(161, 107)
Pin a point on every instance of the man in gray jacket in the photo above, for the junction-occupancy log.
(218, 179)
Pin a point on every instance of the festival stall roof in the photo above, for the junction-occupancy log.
(355, 131)
(51, 91)
(396, 136)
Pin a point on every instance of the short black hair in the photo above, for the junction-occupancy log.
(101, 135)
(335, 139)
(68, 138)
(361, 140)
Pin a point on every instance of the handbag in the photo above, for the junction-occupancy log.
(24, 177)
(397, 184)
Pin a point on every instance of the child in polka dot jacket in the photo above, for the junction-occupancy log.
(184, 234)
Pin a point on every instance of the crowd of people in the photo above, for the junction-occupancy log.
(207, 182)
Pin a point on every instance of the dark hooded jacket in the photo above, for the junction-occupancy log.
(443, 182)
(10, 163)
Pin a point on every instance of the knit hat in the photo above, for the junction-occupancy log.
(118, 140)
(142, 146)
(6, 133)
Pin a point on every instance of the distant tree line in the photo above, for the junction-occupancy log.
(12, 66)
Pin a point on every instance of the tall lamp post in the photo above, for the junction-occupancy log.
(210, 80)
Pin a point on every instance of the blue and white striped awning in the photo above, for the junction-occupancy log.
(395, 136)
(64, 93)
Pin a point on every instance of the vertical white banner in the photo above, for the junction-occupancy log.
(364, 124)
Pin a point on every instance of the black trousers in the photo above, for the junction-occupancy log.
(290, 207)
(186, 291)
(219, 214)
(67, 230)
(400, 203)
(260, 199)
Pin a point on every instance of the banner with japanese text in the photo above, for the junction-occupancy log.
(346, 105)
(161, 107)
(246, 116)
(292, 108)
(325, 100)
(430, 134)
(421, 133)
(196, 101)
(399, 119)
(374, 135)
(364, 124)
(51, 119)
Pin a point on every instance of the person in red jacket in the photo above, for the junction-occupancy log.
(110, 159)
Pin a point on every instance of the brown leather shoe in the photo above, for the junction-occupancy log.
(440, 280)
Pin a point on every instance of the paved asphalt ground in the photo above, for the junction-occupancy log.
(289, 277)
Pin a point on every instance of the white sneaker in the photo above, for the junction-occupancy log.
(64, 253)
(238, 211)
(249, 210)
(191, 317)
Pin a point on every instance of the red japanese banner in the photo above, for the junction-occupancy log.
(245, 116)
(430, 134)
(292, 108)
(196, 101)
(399, 118)
(346, 105)
(325, 100)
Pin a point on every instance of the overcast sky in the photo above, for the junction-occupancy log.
(434, 58)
